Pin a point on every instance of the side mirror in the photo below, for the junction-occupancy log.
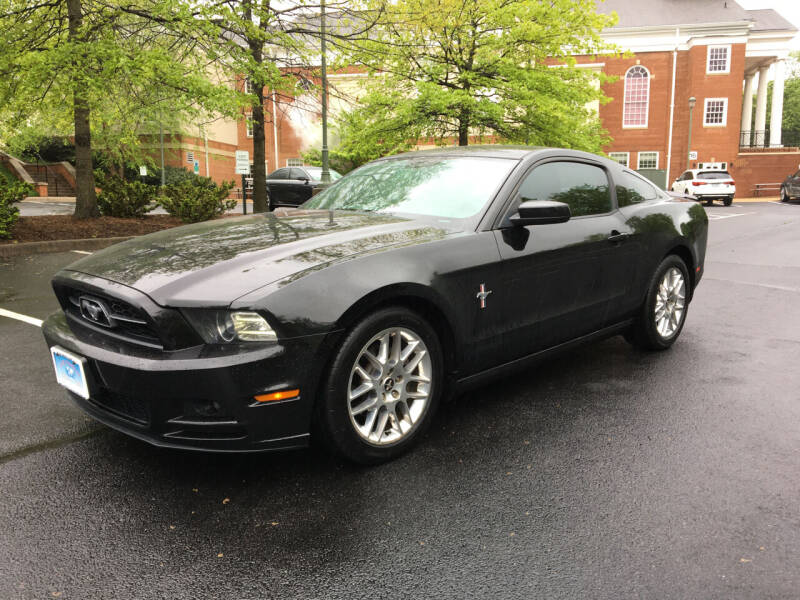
(540, 212)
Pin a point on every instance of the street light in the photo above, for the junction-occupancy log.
(692, 102)
(325, 177)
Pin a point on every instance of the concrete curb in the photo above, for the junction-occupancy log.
(29, 248)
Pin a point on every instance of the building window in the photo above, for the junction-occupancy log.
(637, 97)
(190, 158)
(716, 112)
(648, 160)
(621, 157)
(719, 59)
(294, 162)
(249, 88)
(248, 120)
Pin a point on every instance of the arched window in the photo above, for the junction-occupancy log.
(637, 97)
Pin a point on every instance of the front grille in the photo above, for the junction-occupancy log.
(122, 320)
(127, 407)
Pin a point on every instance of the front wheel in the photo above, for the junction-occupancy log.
(784, 195)
(383, 387)
(663, 313)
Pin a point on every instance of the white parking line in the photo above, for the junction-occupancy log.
(728, 216)
(80, 251)
(24, 318)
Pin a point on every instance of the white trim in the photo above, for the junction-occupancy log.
(639, 159)
(728, 52)
(627, 158)
(625, 93)
(248, 124)
(724, 112)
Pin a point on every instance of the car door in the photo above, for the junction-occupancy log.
(794, 184)
(677, 186)
(569, 279)
(301, 186)
(277, 186)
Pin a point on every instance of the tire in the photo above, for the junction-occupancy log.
(784, 195)
(370, 411)
(727, 201)
(709, 201)
(650, 332)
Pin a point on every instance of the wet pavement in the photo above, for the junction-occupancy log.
(602, 473)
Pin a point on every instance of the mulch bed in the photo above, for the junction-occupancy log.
(66, 227)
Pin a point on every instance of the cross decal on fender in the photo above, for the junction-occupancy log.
(481, 295)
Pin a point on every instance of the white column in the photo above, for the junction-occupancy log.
(776, 118)
(761, 106)
(747, 111)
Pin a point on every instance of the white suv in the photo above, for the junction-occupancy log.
(706, 184)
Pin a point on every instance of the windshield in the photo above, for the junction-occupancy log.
(316, 173)
(437, 186)
(714, 175)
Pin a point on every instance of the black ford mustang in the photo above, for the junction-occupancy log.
(351, 316)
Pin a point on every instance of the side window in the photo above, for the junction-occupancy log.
(279, 174)
(583, 187)
(632, 190)
(682, 177)
(298, 174)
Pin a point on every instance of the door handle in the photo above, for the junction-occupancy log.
(616, 237)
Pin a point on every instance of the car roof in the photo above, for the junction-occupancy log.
(488, 150)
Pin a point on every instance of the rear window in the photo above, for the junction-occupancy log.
(713, 175)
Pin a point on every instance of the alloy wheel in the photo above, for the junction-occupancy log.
(390, 386)
(670, 303)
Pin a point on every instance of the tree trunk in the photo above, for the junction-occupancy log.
(463, 132)
(259, 174)
(85, 198)
(259, 154)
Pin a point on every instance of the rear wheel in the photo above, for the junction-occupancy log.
(383, 387)
(728, 200)
(709, 201)
(663, 313)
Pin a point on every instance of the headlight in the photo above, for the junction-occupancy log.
(225, 327)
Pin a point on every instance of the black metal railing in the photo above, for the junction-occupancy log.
(761, 139)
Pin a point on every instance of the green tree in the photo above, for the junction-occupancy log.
(273, 47)
(102, 73)
(457, 68)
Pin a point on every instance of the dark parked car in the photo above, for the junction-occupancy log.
(411, 277)
(291, 186)
(790, 188)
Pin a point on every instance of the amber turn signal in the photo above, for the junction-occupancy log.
(282, 395)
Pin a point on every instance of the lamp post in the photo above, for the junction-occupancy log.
(692, 102)
(325, 177)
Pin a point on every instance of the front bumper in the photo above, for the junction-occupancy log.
(199, 398)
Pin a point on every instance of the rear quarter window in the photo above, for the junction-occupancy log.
(632, 189)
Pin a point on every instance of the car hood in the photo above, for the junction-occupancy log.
(215, 262)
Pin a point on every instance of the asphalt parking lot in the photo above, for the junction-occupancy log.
(603, 473)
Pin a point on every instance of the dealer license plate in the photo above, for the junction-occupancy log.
(70, 371)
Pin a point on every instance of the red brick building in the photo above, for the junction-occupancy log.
(711, 51)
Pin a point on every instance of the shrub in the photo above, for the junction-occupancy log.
(11, 192)
(198, 199)
(126, 199)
